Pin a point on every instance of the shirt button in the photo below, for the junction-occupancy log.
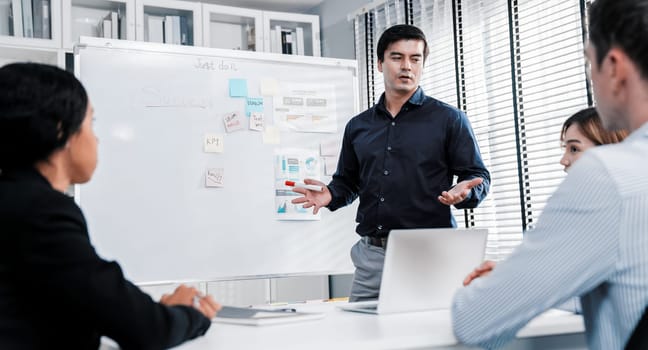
(380, 227)
(386, 172)
(389, 148)
(382, 199)
(393, 123)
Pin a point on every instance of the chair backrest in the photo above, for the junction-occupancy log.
(639, 337)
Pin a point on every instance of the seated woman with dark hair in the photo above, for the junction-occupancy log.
(583, 131)
(55, 291)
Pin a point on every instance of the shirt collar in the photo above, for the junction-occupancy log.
(639, 133)
(417, 99)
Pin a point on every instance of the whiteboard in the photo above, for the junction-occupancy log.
(147, 206)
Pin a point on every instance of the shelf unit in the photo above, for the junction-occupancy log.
(255, 30)
(223, 26)
(85, 17)
(227, 27)
(6, 17)
(160, 9)
(203, 24)
(292, 22)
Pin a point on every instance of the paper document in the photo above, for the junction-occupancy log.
(294, 164)
(259, 317)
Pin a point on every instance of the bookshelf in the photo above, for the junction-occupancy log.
(227, 27)
(291, 33)
(255, 30)
(62, 22)
(113, 19)
(169, 21)
(40, 27)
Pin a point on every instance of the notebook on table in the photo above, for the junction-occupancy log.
(423, 268)
(259, 317)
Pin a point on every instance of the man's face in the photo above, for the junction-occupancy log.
(402, 66)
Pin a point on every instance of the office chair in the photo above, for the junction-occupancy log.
(639, 338)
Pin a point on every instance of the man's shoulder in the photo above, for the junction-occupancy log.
(442, 107)
(627, 155)
(625, 163)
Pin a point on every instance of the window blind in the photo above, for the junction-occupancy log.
(552, 86)
(435, 18)
(363, 55)
(488, 102)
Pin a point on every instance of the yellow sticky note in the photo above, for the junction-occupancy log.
(256, 121)
(215, 177)
(271, 135)
(213, 143)
(268, 87)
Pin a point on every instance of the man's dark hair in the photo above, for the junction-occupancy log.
(620, 23)
(40, 107)
(399, 32)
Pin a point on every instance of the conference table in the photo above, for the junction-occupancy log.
(340, 329)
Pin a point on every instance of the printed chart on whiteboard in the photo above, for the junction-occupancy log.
(305, 107)
(294, 164)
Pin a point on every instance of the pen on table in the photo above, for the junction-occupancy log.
(337, 299)
(289, 309)
(302, 185)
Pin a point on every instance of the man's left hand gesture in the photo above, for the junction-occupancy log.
(458, 193)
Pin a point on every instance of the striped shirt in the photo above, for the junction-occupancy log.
(591, 241)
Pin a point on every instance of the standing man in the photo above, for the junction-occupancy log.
(592, 238)
(399, 157)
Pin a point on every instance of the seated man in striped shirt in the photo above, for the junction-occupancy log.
(592, 238)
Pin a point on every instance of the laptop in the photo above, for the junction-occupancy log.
(423, 268)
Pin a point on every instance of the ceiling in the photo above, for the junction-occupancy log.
(302, 6)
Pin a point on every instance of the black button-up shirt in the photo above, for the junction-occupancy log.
(399, 166)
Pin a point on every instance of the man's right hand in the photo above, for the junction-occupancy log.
(482, 270)
(313, 199)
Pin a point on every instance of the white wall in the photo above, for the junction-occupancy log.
(337, 34)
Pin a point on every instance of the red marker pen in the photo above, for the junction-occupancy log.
(302, 185)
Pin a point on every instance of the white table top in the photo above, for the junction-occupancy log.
(349, 330)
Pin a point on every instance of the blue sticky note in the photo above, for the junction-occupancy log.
(253, 104)
(238, 88)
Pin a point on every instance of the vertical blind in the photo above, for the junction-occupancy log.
(516, 68)
(552, 86)
(487, 91)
